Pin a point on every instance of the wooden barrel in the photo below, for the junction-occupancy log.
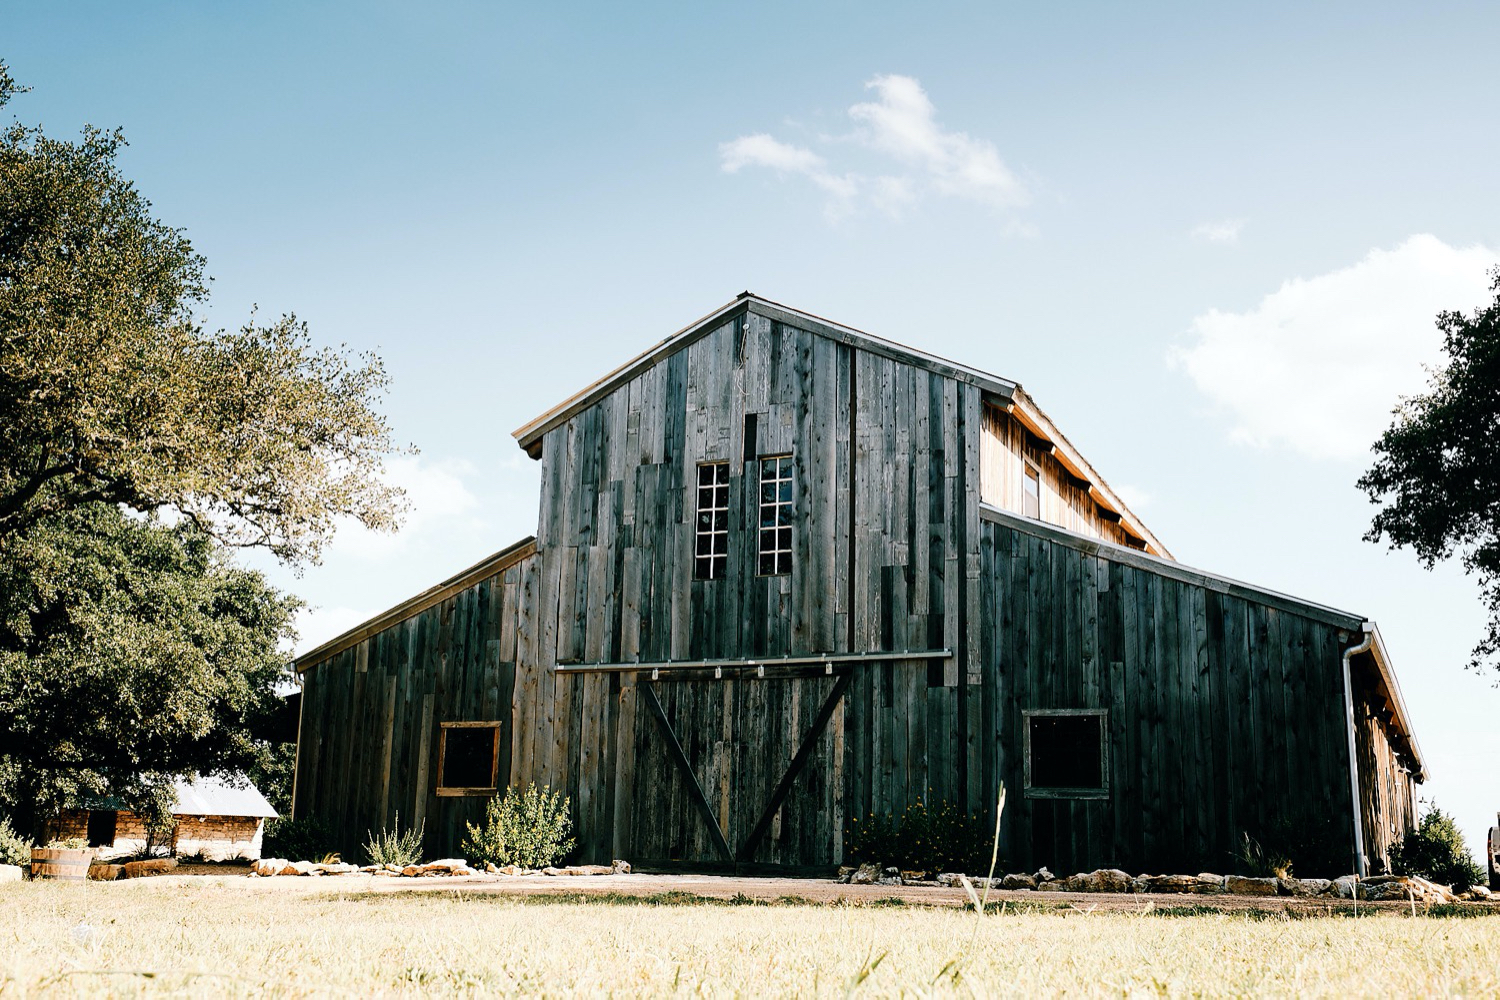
(61, 863)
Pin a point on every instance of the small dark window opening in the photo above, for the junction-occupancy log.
(1065, 754)
(468, 758)
(711, 558)
(1033, 488)
(776, 515)
(102, 826)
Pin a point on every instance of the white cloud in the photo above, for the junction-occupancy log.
(1227, 231)
(900, 130)
(437, 494)
(316, 626)
(903, 123)
(1319, 364)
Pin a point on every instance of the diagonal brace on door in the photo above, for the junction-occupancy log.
(784, 786)
(695, 790)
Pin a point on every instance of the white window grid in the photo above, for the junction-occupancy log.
(776, 515)
(711, 560)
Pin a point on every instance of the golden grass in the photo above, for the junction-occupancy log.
(243, 937)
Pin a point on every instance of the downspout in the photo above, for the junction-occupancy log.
(1359, 831)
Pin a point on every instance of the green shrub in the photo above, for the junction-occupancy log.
(68, 844)
(940, 838)
(298, 839)
(14, 848)
(393, 847)
(527, 827)
(1310, 846)
(1436, 851)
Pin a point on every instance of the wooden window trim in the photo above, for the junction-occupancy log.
(1031, 472)
(448, 791)
(1101, 792)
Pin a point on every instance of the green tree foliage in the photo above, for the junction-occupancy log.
(522, 826)
(1437, 468)
(111, 390)
(1437, 851)
(130, 653)
(932, 839)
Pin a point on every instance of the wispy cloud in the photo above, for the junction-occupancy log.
(1319, 364)
(914, 156)
(1226, 231)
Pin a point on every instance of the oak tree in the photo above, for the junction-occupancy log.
(1437, 468)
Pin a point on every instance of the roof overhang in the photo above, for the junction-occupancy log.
(482, 570)
(1390, 690)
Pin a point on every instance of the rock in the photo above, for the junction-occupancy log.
(11, 873)
(1210, 884)
(304, 868)
(865, 875)
(411, 871)
(1478, 894)
(1101, 880)
(1241, 885)
(1018, 882)
(621, 867)
(1043, 875)
(549, 870)
(339, 868)
(270, 866)
(1141, 883)
(1052, 885)
(372, 869)
(1344, 887)
(491, 868)
(889, 880)
(1173, 883)
(461, 872)
(155, 866)
(105, 873)
(589, 870)
(949, 878)
(911, 878)
(1302, 887)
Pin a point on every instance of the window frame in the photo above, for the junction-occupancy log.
(776, 552)
(450, 791)
(1031, 473)
(715, 559)
(1048, 792)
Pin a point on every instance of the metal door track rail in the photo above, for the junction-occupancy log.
(758, 664)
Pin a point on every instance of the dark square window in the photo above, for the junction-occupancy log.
(468, 758)
(1065, 754)
(102, 826)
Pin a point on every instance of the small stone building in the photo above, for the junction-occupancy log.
(215, 820)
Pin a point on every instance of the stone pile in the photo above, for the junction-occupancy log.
(1380, 887)
(446, 867)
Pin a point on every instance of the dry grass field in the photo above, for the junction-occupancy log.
(242, 937)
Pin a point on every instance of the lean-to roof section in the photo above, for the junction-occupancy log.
(482, 570)
(998, 391)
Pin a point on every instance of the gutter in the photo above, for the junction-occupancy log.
(1364, 645)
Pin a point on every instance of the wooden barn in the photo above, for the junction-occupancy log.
(787, 573)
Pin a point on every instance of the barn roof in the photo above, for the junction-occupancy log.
(436, 594)
(1354, 623)
(1001, 392)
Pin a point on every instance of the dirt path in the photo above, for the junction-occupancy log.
(782, 890)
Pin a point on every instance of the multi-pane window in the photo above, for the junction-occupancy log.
(775, 515)
(712, 559)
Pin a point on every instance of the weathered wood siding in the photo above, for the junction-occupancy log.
(1065, 502)
(1225, 713)
(1385, 787)
(368, 747)
(615, 542)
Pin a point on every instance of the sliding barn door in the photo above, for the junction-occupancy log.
(741, 771)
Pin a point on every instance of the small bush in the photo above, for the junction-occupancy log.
(940, 838)
(14, 848)
(68, 844)
(1436, 851)
(392, 847)
(527, 827)
(1310, 846)
(298, 839)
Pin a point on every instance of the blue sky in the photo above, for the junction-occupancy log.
(1209, 239)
